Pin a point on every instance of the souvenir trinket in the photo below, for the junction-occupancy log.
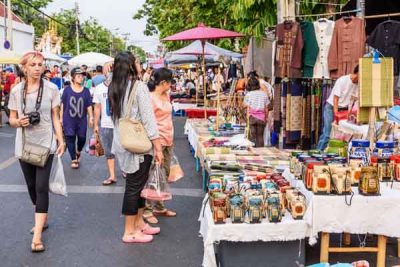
(369, 182)
(321, 182)
(360, 149)
(355, 170)
(385, 168)
(309, 174)
(255, 208)
(237, 209)
(298, 207)
(341, 182)
(219, 208)
(274, 210)
(383, 149)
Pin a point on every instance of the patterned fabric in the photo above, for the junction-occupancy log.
(288, 50)
(376, 83)
(294, 112)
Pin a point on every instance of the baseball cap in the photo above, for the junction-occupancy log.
(76, 70)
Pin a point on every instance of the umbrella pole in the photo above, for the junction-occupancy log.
(218, 96)
(203, 44)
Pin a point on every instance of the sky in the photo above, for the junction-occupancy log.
(112, 14)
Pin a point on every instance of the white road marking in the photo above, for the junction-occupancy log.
(8, 163)
(83, 189)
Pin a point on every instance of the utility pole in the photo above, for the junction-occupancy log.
(76, 28)
(9, 27)
(126, 38)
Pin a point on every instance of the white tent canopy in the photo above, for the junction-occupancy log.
(53, 57)
(90, 59)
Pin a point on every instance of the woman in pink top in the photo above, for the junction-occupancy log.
(159, 85)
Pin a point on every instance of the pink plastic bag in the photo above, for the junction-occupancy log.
(156, 188)
(92, 146)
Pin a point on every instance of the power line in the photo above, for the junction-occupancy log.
(69, 27)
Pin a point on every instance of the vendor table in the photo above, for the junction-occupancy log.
(199, 112)
(376, 215)
(287, 230)
(177, 106)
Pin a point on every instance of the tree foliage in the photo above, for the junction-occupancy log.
(251, 17)
(138, 52)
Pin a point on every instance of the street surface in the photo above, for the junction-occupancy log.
(86, 227)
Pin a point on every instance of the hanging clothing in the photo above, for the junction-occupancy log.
(386, 38)
(260, 57)
(310, 49)
(232, 72)
(289, 46)
(347, 47)
(324, 31)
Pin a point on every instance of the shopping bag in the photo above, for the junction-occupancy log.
(156, 188)
(99, 150)
(175, 170)
(57, 184)
(92, 146)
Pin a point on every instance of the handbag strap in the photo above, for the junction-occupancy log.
(131, 99)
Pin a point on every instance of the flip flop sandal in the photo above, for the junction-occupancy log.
(150, 219)
(167, 213)
(109, 181)
(45, 227)
(75, 164)
(37, 247)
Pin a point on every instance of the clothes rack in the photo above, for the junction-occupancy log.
(383, 15)
(327, 14)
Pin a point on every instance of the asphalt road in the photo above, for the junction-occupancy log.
(86, 227)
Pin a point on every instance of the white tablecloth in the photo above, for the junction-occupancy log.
(367, 214)
(182, 106)
(192, 135)
(287, 230)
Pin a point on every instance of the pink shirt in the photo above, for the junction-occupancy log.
(163, 112)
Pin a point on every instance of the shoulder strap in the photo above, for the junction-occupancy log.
(38, 98)
(131, 98)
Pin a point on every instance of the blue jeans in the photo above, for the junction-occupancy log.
(326, 131)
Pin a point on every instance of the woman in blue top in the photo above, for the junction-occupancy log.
(75, 106)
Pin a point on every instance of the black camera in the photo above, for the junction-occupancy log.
(34, 117)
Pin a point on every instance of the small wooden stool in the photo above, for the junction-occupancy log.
(380, 249)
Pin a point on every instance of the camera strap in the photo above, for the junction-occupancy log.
(38, 98)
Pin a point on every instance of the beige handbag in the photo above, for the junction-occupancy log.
(132, 135)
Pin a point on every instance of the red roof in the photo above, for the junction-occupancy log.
(3, 12)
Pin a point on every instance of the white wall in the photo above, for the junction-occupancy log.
(23, 36)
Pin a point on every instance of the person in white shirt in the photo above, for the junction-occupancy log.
(102, 110)
(345, 88)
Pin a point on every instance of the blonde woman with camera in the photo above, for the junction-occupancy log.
(35, 111)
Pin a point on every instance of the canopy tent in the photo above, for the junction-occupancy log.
(53, 57)
(90, 59)
(196, 48)
(9, 57)
(176, 59)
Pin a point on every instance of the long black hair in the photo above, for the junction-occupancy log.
(253, 83)
(160, 75)
(124, 71)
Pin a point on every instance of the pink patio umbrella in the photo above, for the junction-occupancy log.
(203, 33)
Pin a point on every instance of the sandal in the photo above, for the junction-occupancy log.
(37, 247)
(78, 156)
(109, 181)
(45, 227)
(75, 164)
(166, 213)
(150, 218)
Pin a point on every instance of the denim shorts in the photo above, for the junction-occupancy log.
(106, 138)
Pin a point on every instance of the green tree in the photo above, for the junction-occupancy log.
(25, 11)
(93, 36)
(138, 52)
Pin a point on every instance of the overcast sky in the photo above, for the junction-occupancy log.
(112, 14)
